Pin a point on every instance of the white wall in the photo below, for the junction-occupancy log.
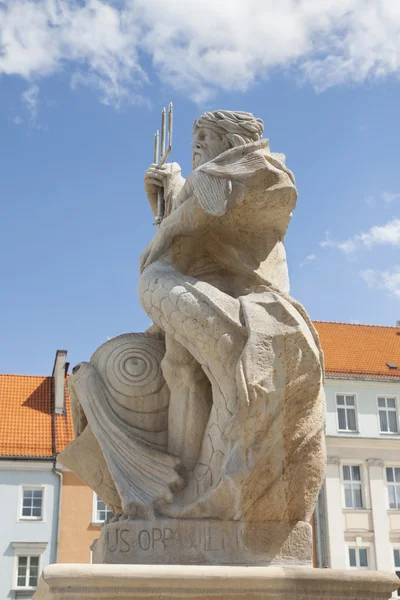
(375, 526)
(366, 393)
(12, 529)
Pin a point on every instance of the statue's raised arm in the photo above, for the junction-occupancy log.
(238, 201)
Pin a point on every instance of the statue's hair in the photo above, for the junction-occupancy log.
(239, 127)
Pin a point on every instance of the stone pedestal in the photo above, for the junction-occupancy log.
(123, 582)
(204, 542)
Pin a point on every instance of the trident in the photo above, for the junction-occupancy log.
(160, 159)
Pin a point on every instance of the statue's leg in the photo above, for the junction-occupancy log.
(206, 323)
(190, 402)
(201, 318)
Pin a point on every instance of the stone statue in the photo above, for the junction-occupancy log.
(216, 414)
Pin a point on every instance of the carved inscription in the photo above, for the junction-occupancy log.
(202, 542)
(198, 538)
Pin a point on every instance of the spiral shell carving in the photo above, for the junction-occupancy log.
(130, 368)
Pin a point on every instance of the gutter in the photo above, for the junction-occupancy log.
(56, 472)
(28, 458)
(60, 475)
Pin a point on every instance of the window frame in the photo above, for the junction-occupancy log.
(357, 548)
(388, 483)
(354, 394)
(361, 482)
(31, 550)
(396, 409)
(95, 520)
(33, 487)
(27, 572)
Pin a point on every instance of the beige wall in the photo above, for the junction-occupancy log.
(76, 529)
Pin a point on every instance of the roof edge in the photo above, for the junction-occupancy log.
(50, 457)
(21, 375)
(357, 324)
(361, 376)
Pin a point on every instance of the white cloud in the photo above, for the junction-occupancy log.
(378, 235)
(30, 99)
(199, 46)
(346, 246)
(230, 43)
(389, 197)
(17, 120)
(308, 259)
(385, 234)
(94, 37)
(388, 280)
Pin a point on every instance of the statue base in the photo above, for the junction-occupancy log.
(126, 582)
(204, 542)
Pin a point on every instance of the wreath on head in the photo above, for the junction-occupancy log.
(240, 127)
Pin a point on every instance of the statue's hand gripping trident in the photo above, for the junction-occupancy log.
(161, 157)
(163, 181)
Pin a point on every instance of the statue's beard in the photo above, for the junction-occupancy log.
(201, 156)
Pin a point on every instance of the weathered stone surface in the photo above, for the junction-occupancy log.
(217, 412)
(123, 582)
(203, 542)
(85, 458)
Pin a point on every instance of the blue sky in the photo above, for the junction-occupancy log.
(81, 88)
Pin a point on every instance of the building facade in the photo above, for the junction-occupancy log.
(358, 513)
(30, 492)
(34, 427)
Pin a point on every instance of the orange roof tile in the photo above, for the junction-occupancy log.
(26, 422)
(360, 350)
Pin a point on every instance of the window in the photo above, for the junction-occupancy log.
(358, 558)
(396, 553)
(346, 412)
(393, 481)
(387, 415)
(32, 503)
(26, 565)
(352, 486)
(101, 511)
(28, 571)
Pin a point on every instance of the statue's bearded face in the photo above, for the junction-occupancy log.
(207, 144)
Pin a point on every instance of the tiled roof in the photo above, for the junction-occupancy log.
(360, 350)
(26, 422)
